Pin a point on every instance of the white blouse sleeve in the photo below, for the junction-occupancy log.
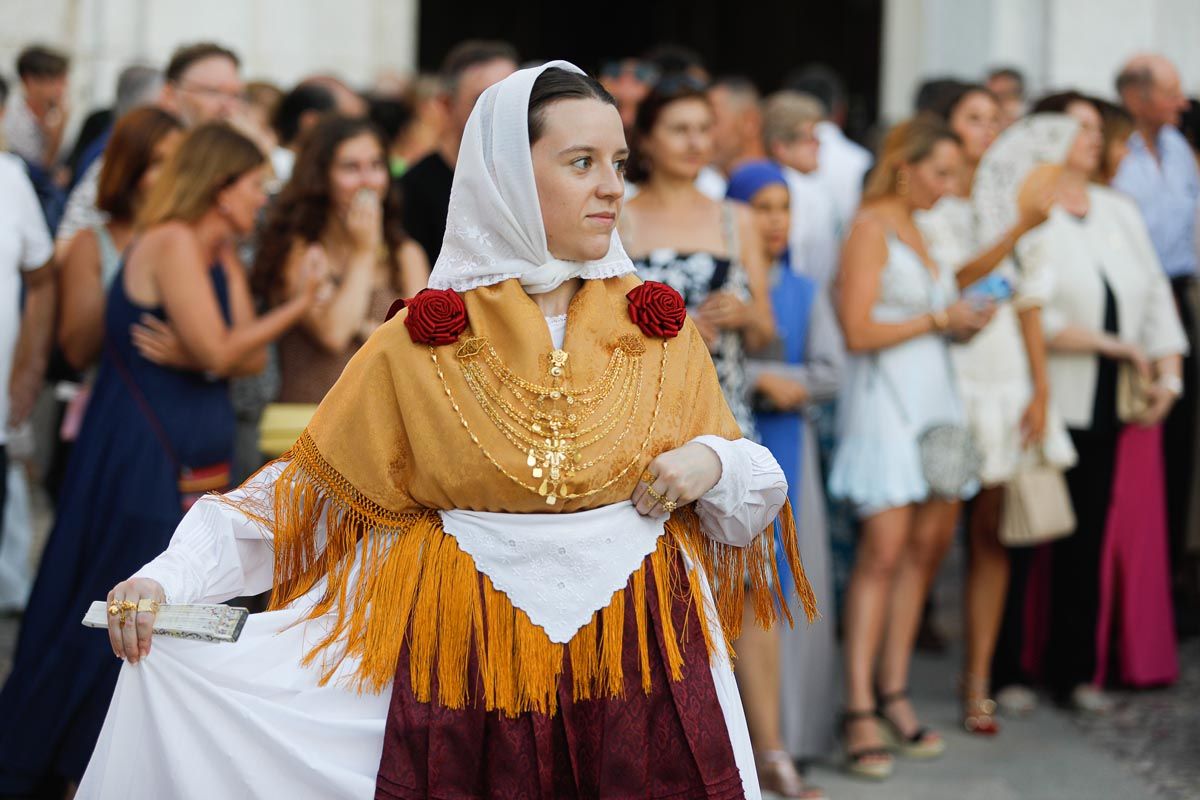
(1160, 333)
(749, 495)
(218, 552)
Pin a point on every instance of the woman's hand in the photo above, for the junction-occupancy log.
(709, 332)
(966, 318)
(129, 633)
(158, 343)
(315, 286)
(1036, 198)
(725, 311)
(783, 393)
(1161, 401)
(1033, 421)
(680, 476)
(365, 221)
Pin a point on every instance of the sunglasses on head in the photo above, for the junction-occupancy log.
(678, 82)
(646, 73)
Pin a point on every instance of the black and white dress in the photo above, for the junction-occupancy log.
(696, 276)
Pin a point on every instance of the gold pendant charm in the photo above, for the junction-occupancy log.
(537, 472)
(551, 500)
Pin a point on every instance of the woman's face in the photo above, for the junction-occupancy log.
(976, 120)
(163, 151)
(681, 142)
(358, 165)
(579, 171)
(241, 202)
(935, 176)
(1084, 155)
(772, 217)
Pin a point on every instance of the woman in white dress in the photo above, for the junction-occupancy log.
(410, 555)
(897, 310)
(1001, 376)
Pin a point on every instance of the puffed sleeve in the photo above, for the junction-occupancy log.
(1160, 332)
(219, 551)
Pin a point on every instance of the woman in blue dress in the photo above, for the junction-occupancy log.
(788, 674)
(179, 320)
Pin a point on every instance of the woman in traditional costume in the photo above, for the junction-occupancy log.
(507, 555)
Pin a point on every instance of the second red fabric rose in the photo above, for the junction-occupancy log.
(657, 309)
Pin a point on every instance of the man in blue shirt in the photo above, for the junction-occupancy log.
(1160, 174)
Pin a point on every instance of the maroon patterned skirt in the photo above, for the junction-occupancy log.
(671, 743)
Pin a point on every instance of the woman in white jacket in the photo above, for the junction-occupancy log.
(1107, 306)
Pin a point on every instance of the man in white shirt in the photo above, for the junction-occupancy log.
(790, 120)
(34, 124)
(25, 334)
(842, 163)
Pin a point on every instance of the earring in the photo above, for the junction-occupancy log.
(902, 183)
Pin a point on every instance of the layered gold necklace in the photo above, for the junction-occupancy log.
(560, 430)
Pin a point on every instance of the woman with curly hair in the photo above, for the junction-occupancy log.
(337, 215)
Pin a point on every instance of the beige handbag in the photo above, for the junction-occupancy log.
(1133, 393)
(1037, 506)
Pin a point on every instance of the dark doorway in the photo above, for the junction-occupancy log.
(762, 39)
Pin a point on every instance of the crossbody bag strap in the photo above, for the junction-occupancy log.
(143, 404)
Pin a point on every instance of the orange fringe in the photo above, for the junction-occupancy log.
(416, 586)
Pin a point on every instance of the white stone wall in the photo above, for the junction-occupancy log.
(278, 40)
(1059, 44)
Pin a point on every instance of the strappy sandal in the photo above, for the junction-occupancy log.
(978, 710)
(777, 774)
(923, 743)
(873, 763)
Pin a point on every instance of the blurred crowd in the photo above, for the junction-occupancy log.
(982, 327)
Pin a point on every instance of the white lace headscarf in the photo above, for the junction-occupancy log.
(1037, 139)
(494, 228)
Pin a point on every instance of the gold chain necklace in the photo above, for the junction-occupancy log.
(551, 441)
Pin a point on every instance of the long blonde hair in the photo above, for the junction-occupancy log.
(210, 159)
(909, 142)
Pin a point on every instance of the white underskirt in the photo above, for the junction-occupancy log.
(197, 721)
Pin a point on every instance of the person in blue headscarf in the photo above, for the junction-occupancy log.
(788, 677)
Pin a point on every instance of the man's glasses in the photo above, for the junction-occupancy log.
(212, 92)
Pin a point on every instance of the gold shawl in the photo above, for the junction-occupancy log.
(393, 442)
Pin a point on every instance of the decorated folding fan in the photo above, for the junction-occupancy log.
(204, 623)
(1030, 149)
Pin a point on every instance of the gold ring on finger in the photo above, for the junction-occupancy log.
(147, 604)
(669, 506)
(658, 497)
(649, 478)
(114, 609)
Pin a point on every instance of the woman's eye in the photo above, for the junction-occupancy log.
(582, 163)
(620, 166)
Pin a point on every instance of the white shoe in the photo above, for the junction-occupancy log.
(1089, 699)
(1017, 700)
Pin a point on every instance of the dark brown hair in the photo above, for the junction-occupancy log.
(556, 84)
(302, 210)
(186, 56)
(673, 88)
(39, 61)
(470, 53)
(127, 157)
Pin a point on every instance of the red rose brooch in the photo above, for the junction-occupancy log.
(435, 316)
(657, 309)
